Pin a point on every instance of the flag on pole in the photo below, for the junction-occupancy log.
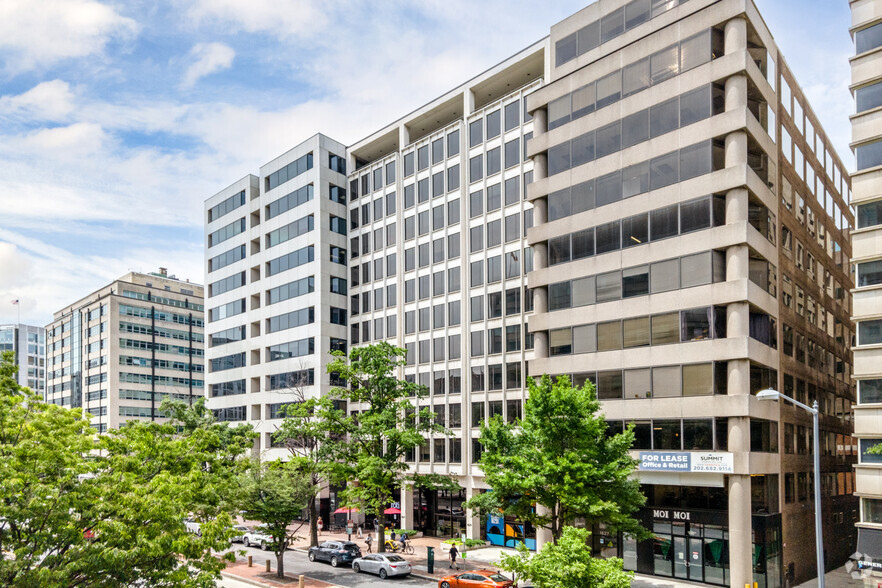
(15, 301)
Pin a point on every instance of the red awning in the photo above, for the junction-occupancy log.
(392, 511)
(345, 510)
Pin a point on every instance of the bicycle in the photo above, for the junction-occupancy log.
(395, 547)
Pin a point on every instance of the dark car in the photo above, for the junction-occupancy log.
(335, 552)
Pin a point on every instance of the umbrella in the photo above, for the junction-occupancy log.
(345, 510)
(392, 511)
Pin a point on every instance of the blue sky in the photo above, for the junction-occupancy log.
(118, 118)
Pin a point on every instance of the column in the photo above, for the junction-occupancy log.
(735, 36)
(473, 523)
(468, 103)
(403, 140)
(407, 521)
(543, 534)
(740, 537)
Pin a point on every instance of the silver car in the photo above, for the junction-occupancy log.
(382, 564)
(239, 531)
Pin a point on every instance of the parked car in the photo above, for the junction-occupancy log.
(382, 564)
(335, 552)
(194, 527)
(258, 536)
(239, 531)
(475, 579)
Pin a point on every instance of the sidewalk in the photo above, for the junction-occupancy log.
(257, 576)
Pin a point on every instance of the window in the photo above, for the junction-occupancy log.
(476, 168)
(664, 64)
(698, 379)
(868, 38)
(869, 332)
(664, 117)
(869, 155)
(512, 115)
(609, 89)
(869, 215)
(476, 133)
(665, 328)
(494, 163)
(493, 124)
(453, 144)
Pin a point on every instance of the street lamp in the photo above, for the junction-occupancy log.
(769, 394)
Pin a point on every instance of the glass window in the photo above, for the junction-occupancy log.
(664, 117)
(609, 89)
(638, 383)
(612, 25)
(582, 149)
(869, 215)
(494, 163)
(476, 133)
(695, 160)
(663, 170)
(635, 77)
(609, 286)
(408, 164)
(560, 341)
(476, 167)
(695, 324)
(869, 332)
(585, 339)
(583, 244)
(609, 385)
(666, 381)
(696, 269)
(493, 124)
(698, 434)
(695, 105)
(869, 155)
(609, 139)
(494, 233)
(559, 250)
(635, 230)
(636, 12)
(695, 215)
(698, 379)
(583, 291)
(558, 159)
(582, 196)
(666, 435)
(636, 333)
(663, 65)
(512, 153)
(868, 38)
(423, 157)
(665, 276)
(609, 188)
(453, 143)
(664, 222)
(559, 112)
(583, 100)
(870, 391)
(665, 328)
(695, 51)
(476, 203)
(512, 115)
(589, 37)
(635, 128)
(635, 179)
(608, 237)
(494, 197)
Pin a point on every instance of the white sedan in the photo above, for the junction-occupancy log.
(258, 536)
(382, 564)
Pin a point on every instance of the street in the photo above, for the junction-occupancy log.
(297, 563)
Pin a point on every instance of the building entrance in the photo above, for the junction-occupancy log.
(691, 551)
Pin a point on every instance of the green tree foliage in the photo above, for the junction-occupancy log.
(567, 564)
(275, 493)
(312, 433)
(386, 427)
(76, 510)
(558, 463)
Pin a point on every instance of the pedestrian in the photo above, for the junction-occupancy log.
(320, 523)
(359, 530)
(368, 540)
(377, 526)
(453, 553)
(392, 535)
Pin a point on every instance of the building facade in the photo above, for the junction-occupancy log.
(644, 200)
(866, 86)
(29, 344)
(118, 352)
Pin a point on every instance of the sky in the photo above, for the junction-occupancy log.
(119, 118)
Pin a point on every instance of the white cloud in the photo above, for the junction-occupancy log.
(44, 32)
(208, 59)
(47, 101)
(283, 18)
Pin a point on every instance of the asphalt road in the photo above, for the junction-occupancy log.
(297, 563)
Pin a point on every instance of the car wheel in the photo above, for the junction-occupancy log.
(311, 556)
(383, 574)
(246, 543)
(263, 545)
(334, 562)
(356, 568)
(445, 584)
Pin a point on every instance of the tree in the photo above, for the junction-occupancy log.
(387, 425)
(311, 431)
(567, 564)
(559, 463)
(275, 493)
(76, 510)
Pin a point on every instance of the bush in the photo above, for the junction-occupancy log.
(410, 532)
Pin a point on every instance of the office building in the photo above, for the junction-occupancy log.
(866, 240)
(29, 344)
(644, 200)
(118, 352)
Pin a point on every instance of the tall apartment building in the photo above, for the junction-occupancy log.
(29, 344)
(866, 85)
(645, 200)
(118, 352)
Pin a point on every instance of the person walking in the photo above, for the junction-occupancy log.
(453, 553)
(368, 540)
(377, 526)
(392, 535)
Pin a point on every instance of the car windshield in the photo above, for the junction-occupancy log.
(498, 578)
(351, 547)
(395, 558)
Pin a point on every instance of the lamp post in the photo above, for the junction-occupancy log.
(770, 394)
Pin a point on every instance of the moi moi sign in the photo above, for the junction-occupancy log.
(714, 462)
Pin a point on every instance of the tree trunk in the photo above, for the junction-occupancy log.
(280, 562)
(313, 522)
(381, 534)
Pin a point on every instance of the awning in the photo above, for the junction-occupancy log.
(392, 511)
(345, 510)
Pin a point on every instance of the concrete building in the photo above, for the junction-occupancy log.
(29, 344)
(645, 200)
(118, 352)
(866, 85)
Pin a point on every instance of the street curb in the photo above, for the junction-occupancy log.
(253, 582)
